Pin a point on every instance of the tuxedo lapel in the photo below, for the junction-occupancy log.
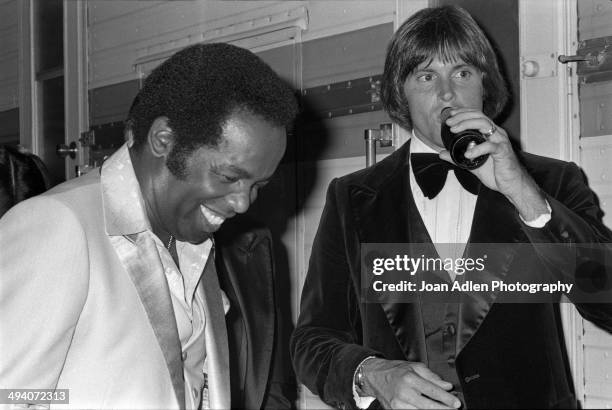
(140, 258)
(380, 216)
(384, 213)
(487, 237)
(217, 353)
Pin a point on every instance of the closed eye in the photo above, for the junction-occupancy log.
(230, 179)
(226, 178)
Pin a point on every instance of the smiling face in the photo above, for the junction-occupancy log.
(220, 181)
(434, 85)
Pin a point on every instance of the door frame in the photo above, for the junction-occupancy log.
(76, 101)
(76, 119)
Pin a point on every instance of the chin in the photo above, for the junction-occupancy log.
(196, 238)
(201, 239)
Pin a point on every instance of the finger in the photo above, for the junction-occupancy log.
(427, 374)
(480, 124)
(462, 119)
(476, 150)
(465, 119)
(410, 398)
(462, 114)
(414, 387)
(420, 402)
(433, 391)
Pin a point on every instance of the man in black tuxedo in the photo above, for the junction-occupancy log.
(474, 351)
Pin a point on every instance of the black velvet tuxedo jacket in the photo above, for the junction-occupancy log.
(246, 270)
(508, 355)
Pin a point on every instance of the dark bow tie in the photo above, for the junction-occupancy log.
(430, 173)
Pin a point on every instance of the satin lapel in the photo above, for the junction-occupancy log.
(495, 224)
(217, 352)
(381, 217)
(141, 260)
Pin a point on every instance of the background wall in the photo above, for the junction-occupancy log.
(9, 71)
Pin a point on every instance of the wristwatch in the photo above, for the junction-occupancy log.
(359, 379)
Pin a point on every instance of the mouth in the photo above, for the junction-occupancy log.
(212, 217)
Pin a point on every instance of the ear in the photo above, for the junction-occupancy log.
(160, 138)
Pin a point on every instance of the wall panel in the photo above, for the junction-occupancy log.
(123, 30)
(9, 55)
(112, 102)
(594, 18)
(344, 57)
(328, 18)
(9, 126)
(118, 39)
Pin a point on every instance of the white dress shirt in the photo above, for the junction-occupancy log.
(448, 216)
(188, 305)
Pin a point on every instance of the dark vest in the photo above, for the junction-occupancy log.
(439, 326)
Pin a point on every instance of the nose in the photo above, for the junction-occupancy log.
(446, 91)
(241, 200)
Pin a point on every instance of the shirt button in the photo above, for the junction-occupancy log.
(184, 356)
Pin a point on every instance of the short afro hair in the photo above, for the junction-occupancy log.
(448, 33)
(198, 88)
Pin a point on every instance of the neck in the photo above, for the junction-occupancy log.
(423, 143)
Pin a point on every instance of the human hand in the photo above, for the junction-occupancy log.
(398, 384)
(502, 172)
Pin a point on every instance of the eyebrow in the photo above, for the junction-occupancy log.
(455, 67)
(463, 65)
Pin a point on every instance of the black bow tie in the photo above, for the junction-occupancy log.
(430, 173)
